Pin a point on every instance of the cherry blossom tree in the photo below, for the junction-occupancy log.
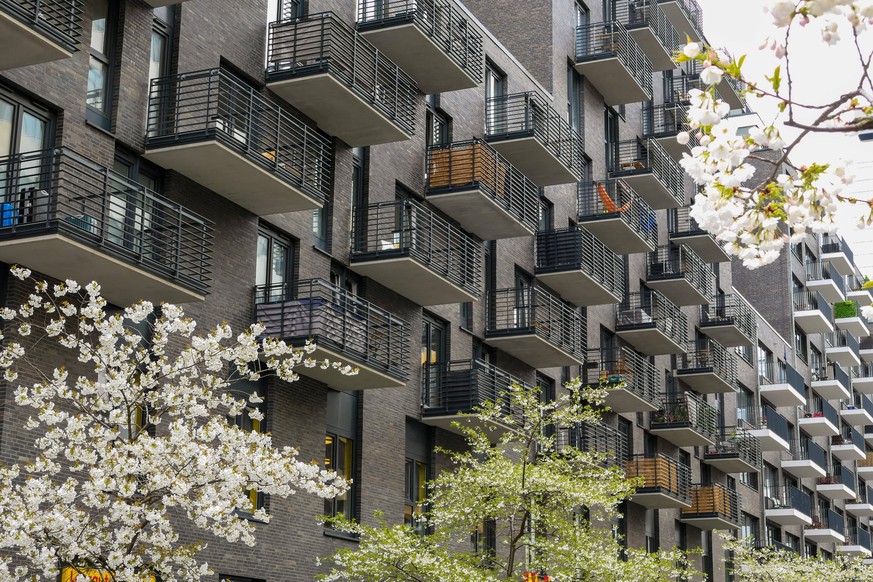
(137, 438)
(792, 201)
(771, 564)
(553, 507)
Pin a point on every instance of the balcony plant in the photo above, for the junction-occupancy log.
(845, 309)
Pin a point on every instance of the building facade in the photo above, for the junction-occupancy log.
(450, 197)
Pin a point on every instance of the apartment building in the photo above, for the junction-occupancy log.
(450, 197)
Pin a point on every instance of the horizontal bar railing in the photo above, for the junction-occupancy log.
(405, 228)
(60, 20)
(59, 190)
(832, 243)
(614, 198)
(680, 222)
(613, 366)
(706, 354)
(730, 309)
(735, 442)
(597, 438)
(776, 422)
(611, 39)
(666, 120)
(323, 43)
(713, 498)
(650, 308)
(805, 449)
(530, 115)
(687, 410)
(574, 248)
(533, 310)
(215, 105)
(646, 13)
(461, 386)
(440, 20)
(338, 320)
(692, 11)
(806, 300)
(680, 87)
(660, 472)
(787, 497)
(470, 164)
(680, 262)
(635, 156)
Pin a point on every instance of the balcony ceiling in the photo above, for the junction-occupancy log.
(22, 45)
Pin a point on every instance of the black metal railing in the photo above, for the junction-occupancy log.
(713, 499)
(666, 121)
(692, 11)
(832, 243)
(623, 366)
(730, 309)
(610, 198)
(680, 262)
(635, 156)
(660, 474)
(405, 228)
(61, 191)
(323, 43)
(842, 339)
(461, 166)
(529, 115)
(59, 20)
(461, 386)
(440, 20)
(646, 13)
(611, 39)
(533, 310)
(573, 249)
(805, 449)
(686, 411)
(596, 438)
(787, 497)
(709, 355)
(680, 86)
(805, 300)
(337, 320)
(215, 105)
(735, 443)
(681, 224)
(775, 422)
(651, 309)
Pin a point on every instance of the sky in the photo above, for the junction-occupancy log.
(821, 73)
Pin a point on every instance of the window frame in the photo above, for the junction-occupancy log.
(274, 237)
(102, 118)
(21, 105)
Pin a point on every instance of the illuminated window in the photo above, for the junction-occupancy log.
(340, 450)
(246, 422)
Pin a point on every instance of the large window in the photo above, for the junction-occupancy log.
(100, 65)
(130, 217)
(24, 127)
(339, 449)
(274, 266)
(416, 474)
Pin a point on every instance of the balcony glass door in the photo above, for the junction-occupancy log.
(433, 342)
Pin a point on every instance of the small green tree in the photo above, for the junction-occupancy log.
(554, 506)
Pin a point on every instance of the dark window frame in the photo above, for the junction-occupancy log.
(108, 57)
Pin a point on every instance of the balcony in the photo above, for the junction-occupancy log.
(663, 123)
(686, 16)
(787, 506)
(831, 383)
(736, 451)
(781, 385)
(729, 320)
(826, 528)
(344, 327)
(841, 347)
(865, 466)
(708, 368)
(70, 218)
(868, 435)
(650, 171)
(217, 130)
(805, 459)
(575, 264)
(527, 130)
(857, 543)
(812, 313)
(601, 439)
(452, 391)
(866, 349)
(651, 323)
(620, 219)
(847, 317)
(835, 251)
(825, 280)
(856, 292)
(682, 229)
(729, 89)
(536, 327)
(839, 483)
(334, 76)
(406, 247)
(863, 505)
(431, 40)
(631, 379)
(685, 421)
(476, 186)
(862, 378)
(33, 32)
(680, 275)
(848, 446)
(651, 29)
(858, 413)
(713, 506)
(680, 85)
(612, 60)
(773, 432)
(821, 420)
(665, 484)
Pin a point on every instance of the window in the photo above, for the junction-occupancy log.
(466, 315)
(130, 216)
(610, 138)
(745, 352)
(581, 14)
(800, 344)
(437, 123)
(416, 474)
(24, 127)
(292, 9)
(749, 480)
(652, 527)
(546, 215)
(160, 56)
(433, 350)
(252, 419)
(745, 405)
(100, 65)
(484, 539)
(575, 99)
(274, 266)
(815, 362)
(495, 87)
(339, 449)
(748, 526)
(765, 365)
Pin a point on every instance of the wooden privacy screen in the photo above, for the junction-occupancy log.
(457, 166)
(657, 472)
